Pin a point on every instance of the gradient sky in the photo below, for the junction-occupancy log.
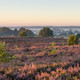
(39, 12)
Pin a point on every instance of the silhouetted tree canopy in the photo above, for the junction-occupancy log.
(45, 32)
(78, 35)
(29, 32)
(22, 33)
(4, 31)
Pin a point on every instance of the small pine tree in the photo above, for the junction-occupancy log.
(4, 56)
(73, 40)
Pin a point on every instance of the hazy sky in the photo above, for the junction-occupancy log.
(39, 12)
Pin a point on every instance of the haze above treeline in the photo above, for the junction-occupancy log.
(43, 26)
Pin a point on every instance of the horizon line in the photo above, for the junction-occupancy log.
(43, 26)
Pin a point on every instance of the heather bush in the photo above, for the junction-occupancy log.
(22, 33)
(73, 40)
(4, 56)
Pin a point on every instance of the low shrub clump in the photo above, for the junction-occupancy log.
(54, 51)
(14, 56)
(73, 40)
(53, 44)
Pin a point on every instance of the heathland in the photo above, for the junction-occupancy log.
(38, 59)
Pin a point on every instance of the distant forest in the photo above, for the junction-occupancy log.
(33, 31)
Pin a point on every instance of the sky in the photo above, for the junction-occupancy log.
(39, 12)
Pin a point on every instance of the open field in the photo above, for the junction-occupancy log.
(40, 59)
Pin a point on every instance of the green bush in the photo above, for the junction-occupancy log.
(31, 59)
(4, 56)
(22, 33)
(16, 47)
(15, 56)
(53, 51)
(53, 44)
(45, 32)
(73, 40)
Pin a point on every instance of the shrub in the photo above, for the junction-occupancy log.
(45, 32)
(15, 56)
(4, 56)
(73, 40)
(31, 59)
(22, 33)
(53, 44)
(16, 47)
(53, 51)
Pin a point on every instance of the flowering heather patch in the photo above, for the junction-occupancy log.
(30, 60)
(41, 72)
